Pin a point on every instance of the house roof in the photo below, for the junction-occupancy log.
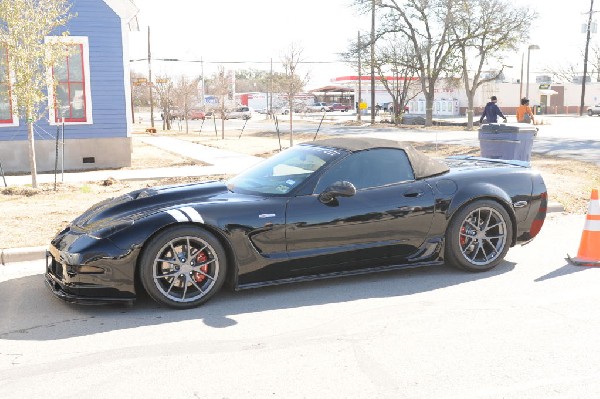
(125, 9)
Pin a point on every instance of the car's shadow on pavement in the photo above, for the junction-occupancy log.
(29, 311)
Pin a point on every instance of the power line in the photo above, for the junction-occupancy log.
(230, 62)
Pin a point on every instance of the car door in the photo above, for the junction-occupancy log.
(387, 219)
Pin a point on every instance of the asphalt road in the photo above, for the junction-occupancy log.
(528, 329)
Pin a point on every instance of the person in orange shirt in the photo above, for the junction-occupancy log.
(524, 113)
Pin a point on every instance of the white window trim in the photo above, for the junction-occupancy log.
(15, 119)
(83, 40)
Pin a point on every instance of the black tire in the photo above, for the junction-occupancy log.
(478, 236)
(183, 267)
(590, 112)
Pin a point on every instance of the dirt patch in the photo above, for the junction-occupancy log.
(32, 217)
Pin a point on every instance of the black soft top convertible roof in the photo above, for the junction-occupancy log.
(423, 166)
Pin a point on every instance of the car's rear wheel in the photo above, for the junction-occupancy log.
(478, 236)
(590, 112)
(183, 267)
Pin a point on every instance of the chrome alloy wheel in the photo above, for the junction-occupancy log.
(483, 236)
(185, 269)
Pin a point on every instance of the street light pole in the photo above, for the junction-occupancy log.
(373, 62)
(531, 47)
(357, 102)
(150, 82)
(521, 81)
(585, 57)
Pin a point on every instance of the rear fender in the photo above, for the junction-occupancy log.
(478, 191)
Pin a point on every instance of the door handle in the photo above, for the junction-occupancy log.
(413, 194)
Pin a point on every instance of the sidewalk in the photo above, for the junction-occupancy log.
(221, 162)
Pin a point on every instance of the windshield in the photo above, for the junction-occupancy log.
(283, 172)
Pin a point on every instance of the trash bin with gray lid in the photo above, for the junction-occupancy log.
(507, 141)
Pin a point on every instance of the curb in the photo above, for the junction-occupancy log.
(16, 255)
(555, 207)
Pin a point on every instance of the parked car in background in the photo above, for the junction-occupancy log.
(594, 110)
(319, 107)
(240, 113)
(389, 107)
(174, 113)
(340, 107)
(285, 110)
(196, 114)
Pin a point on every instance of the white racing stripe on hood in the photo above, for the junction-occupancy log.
(192, 214)
(178, 215)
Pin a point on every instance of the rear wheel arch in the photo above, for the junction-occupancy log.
(504, 202)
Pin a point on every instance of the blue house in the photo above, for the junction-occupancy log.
(92, 100)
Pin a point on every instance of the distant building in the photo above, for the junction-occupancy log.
(94, 89)
(451, 100)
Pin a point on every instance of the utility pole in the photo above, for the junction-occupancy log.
(359, 81)
(585, 56)
(202, 92)
(270, 97)
(372, 62)
(150, 82)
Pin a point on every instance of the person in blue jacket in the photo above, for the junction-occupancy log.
(491, 112)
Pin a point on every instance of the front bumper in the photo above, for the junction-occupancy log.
(93, 283)
(59, 291)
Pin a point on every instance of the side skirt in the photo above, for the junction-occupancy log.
(338, 274)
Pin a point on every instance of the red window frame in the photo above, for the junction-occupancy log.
(58, 117)
(8, 92)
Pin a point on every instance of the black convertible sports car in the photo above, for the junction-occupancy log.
(321, 209)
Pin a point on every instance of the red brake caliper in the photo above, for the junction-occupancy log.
(462, 239)
(201, 258)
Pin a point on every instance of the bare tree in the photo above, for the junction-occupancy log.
(398, 59)
(564, 72)
(24, 25)
(595, 60)
(251, 80)
(483, 30)
(426, 26)
(392, 58)
(139, 91)
(292, 82)
(185, 95)
(221, 87)
(164, 89)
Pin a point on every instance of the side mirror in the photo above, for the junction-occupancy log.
(337, 189)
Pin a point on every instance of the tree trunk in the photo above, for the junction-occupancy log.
(429, 96)
(32, 166)
(470, 101)
(291, 124)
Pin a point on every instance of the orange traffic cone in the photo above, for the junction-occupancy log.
(589, 248)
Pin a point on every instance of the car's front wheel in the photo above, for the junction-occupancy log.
(478, 236)
(590, 112)
(183, 267)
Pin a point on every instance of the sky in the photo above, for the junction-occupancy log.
(242, 34)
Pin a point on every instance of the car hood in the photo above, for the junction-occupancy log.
(140, 203)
